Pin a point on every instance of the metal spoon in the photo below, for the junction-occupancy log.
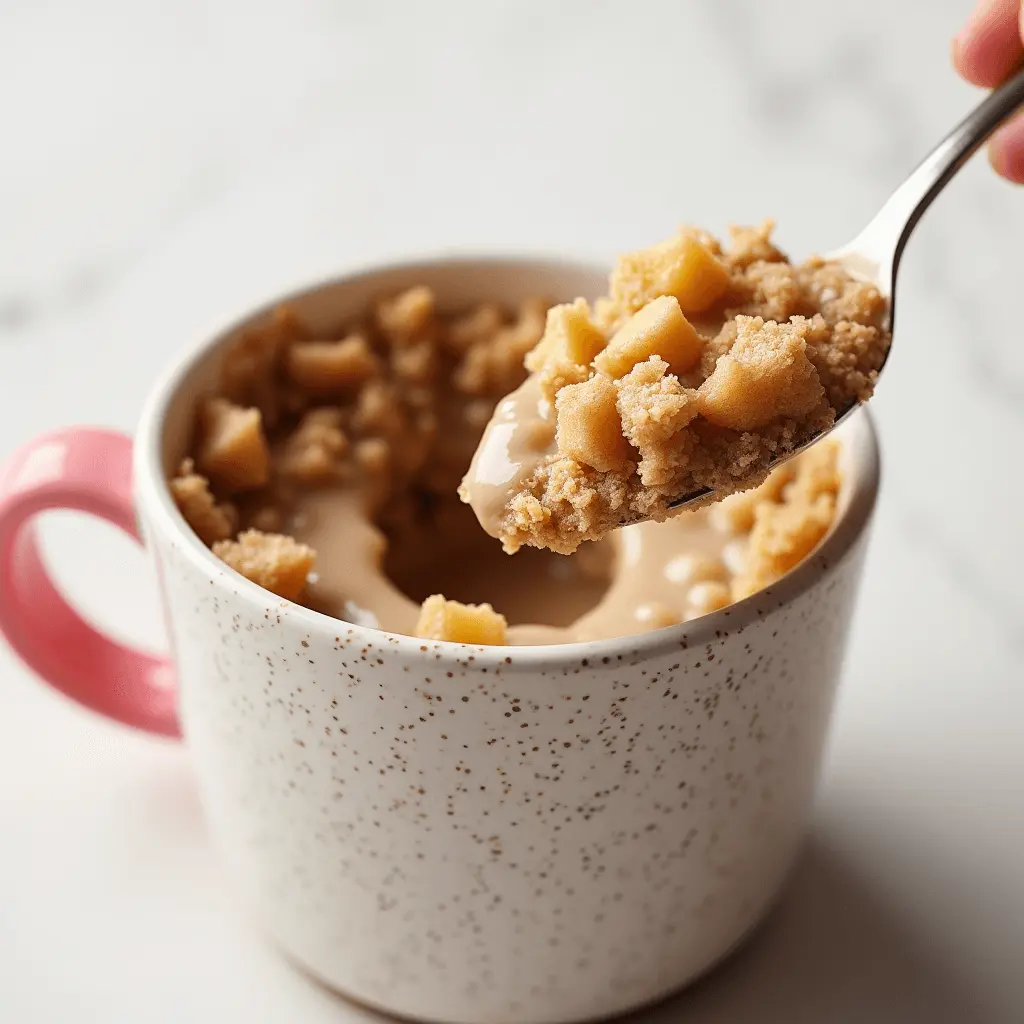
(874, 255)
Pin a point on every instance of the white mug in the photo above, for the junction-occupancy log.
(445, 832)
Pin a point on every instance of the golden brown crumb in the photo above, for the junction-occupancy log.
(249, 369)
(273, 561)
(765, 376)
(735, 513)
(772, 291)
(847, 357)
(841, 298)
(313, 452)
(816, 473)
(233, 452)
(379, 411)
(416, 363)
(191, 493)
(786, 530)
(655, 408)
(476, 327)
(406, 316)
(489, 364)
(460, 623)
(566, 503)
(783, 535)
(323, 367)
(753, 245)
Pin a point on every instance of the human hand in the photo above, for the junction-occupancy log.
(985, 52)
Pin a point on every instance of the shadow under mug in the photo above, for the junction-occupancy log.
(445, 832)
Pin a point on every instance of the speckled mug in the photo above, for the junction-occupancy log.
(456, 833)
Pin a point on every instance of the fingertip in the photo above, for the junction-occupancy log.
(1006, 151)
(989, 46)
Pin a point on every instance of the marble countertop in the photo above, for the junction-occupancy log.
(166, 164)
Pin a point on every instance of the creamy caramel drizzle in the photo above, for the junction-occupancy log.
(604, 590)
(519, 436)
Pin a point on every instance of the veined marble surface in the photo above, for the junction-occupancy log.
(164, 164)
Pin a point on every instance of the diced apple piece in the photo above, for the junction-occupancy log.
(461, 623)
(765, 376)
(589, 428)
(210, 520)
(567, 348)
(697, 279)
(681, 266)
(570, 335)
(233, 450)
(659, 329)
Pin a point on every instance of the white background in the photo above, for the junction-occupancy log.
(163, 164)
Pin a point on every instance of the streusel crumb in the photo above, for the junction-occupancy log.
(766, 376)
(787, 527)
(313, 453)
(191, 493)
(233, 451)
(328, 367)
(273, 561)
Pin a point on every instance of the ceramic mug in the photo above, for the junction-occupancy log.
(445, 832)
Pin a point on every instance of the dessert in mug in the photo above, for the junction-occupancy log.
(326, 469)
(698, 369)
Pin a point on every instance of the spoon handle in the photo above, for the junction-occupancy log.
(885, 237)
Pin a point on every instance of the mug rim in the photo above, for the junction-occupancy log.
(152, 492)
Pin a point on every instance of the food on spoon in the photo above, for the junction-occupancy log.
(719, 362)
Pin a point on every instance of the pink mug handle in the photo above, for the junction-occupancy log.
(87, 470)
